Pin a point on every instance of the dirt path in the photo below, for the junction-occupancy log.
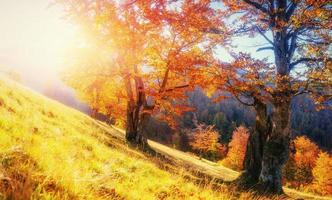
(207, 167)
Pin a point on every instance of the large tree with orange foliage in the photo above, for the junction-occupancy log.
(298, 34)
(148, 49)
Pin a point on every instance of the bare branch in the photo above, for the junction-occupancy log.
(304, 60)
(244, 103)
(256, 5)
(265, 37)
(293, 45)
(177, 87)
(265, 48)
(291, 10)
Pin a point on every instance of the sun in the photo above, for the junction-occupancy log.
(34, 37)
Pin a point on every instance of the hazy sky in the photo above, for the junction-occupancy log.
(34, 37)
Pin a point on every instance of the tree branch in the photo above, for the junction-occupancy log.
(265, 48)
(293, 45)
(265, 37)
(303, 60)
(177, 87)
(290, 10)
(244, 103)
(256, 5)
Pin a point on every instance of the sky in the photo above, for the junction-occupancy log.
(34, 37)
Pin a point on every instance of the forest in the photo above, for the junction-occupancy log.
(243, 86)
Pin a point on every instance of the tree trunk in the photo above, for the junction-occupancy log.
(276, 149)
(137, 120)
(94, 112)
(256, 142)
(132, 121)
(138, 112)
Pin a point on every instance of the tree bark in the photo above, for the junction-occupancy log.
(255, 146)
(137, 120)
(138, 112)
(276, 149)
(94, 112)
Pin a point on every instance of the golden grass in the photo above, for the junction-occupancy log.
(49, 151)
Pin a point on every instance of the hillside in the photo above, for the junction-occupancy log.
(50, 151)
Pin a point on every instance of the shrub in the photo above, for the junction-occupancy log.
(322, 173)
(298, 169)
(237, 149)
(204, 140)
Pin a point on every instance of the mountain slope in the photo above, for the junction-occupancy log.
(49, 151)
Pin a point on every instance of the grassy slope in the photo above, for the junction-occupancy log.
(50, 151)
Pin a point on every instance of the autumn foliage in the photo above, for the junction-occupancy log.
(308, 167)
(237, 149)
(144, 56)
(322, 173)
(298, 170)
(205, 139)
(140, 56)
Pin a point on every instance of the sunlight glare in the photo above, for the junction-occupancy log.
(34, 37)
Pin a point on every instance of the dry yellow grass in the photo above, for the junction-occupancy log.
(50, 151)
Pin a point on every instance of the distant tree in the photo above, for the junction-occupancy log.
(306, 153)
(237, 149)
(205, 140)
(323, 174)
(220, 121)
(298, 169)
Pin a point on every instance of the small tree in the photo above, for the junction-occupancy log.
(205, 140)
(322, 173)
(305, 158)
(298, 170)
(237, 148)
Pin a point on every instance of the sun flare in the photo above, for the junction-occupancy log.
(34, 38)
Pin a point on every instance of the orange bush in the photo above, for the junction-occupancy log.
(298, 169)
(306, 152)
(205, 140)
(237, 149)
(322, 173)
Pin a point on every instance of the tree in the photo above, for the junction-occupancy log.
(299, 167)
(322, 174)
(298, 33)
(148, 49)
(237, 149)
(205, 140)
(91, 86)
